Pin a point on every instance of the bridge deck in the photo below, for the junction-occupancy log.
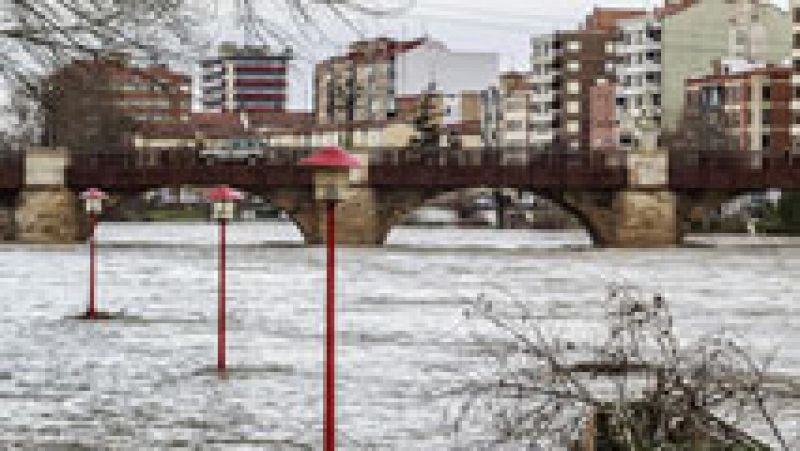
(434, 168)
(724, 171)
(131, 171)
(11, 171)
(509, 168)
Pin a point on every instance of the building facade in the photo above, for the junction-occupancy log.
(745, 107)
(99, 101)
(566, 67)
(697, 33)
(366, 83)
(795, 36)
(246, 79)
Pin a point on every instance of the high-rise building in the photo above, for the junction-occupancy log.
(566, 66)
(795, 5)
(246, 79)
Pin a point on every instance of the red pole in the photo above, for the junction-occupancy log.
(330, 334)
(92, 227)
(221, 313)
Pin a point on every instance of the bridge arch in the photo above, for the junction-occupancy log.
(591, 209)
(296, 204)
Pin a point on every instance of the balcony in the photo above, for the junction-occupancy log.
(543, 78)
(547, 117)
(543, 98)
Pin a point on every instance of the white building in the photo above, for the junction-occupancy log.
(450, 71)
(543, 106)
(638, 73)
(795, 5)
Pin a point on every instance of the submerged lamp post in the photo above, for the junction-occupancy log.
(93, 198)
(332, 167)
(223, 201)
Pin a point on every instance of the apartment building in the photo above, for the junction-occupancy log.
(100, 100)
(565, 68)
(696, 33)
(795, 12)
(660, 49)
(246, 79)
(366, 83)
(746, 106)
(514, 104)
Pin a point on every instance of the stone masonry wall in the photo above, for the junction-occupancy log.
(49, 216)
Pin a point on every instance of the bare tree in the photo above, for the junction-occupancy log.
(640, 389)
(45, 33)
(39, 36)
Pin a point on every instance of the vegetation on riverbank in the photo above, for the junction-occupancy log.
(637, 388)
(784, 217)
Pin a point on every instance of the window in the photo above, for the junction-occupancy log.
(574, 46)
(573, 87)
(656, 99)
(573, 107)
(573, 127)
(609, 47)
(796, 14)
(765, 141)
(573, 66)
(765, 93)
(653, 77)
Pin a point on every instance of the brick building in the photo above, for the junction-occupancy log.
(96, 102)
(750, 106)
(566, 66)
(795, 12)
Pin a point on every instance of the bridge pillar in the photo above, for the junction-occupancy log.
(47, 211)
(647, 211)
(8, 223)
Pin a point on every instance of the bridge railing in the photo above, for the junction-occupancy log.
(734, 170)
(498, 167)
(12, 171)
(138, 169)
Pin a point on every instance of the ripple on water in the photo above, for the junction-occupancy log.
(149, 380)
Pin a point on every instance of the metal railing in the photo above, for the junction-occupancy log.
(12, 171)
(734, 171)
(138, 169)
(498, 167)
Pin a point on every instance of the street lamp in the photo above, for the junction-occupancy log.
(331, 167)
(223, 199)
(93, 199)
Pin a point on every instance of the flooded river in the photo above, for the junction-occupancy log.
(147, 382)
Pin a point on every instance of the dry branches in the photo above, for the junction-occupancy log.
(639, 389)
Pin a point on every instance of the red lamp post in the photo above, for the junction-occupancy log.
(93, 198)
(223, 200)
(332, 167)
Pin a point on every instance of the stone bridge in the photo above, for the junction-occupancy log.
(636, 199)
